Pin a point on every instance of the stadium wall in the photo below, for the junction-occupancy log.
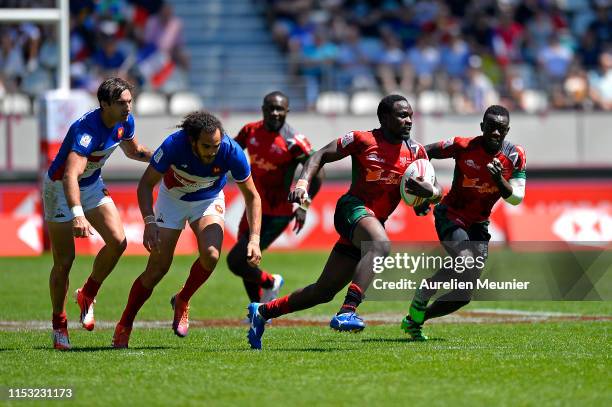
(560, 139)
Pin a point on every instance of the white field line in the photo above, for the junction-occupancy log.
(478, 316)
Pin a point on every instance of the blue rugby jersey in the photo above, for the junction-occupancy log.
(187, 178)
(89, 137)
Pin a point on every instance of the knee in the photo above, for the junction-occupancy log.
(117, 246)
(324, 294)
(234, 260)
(379, 248)
(209, 257)
(157, 268)
(63, 265)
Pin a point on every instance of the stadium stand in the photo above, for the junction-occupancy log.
(454, 56)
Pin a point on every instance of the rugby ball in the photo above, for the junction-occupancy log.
(418, 168)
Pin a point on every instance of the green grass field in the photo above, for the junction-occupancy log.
(543, 363)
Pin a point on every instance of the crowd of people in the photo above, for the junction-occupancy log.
(474, 52)
(134, 39)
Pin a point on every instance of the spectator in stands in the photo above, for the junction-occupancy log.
(165, 30)
(424, 60)
(601, 82)
(393, 71)
(354, 62)
(554, 60)
(479, 90)
(316, 65)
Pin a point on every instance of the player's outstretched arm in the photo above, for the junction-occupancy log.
(435, 151)
(135, 151)
(75, 166)
(253, 212)
(150, 178)
(325, 155)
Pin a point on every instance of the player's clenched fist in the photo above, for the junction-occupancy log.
(495, 168)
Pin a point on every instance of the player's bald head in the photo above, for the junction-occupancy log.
(272, 96)
(386, 105)
(497, 113)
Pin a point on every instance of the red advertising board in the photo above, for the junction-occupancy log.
(551, 211)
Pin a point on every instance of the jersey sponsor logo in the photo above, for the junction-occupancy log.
(158, 155)
(262, 163)
(85, 140)
(347, 139)
(120, 132)
(383, 177)
(471, 163)
(484, 188)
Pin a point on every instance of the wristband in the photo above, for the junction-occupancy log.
(254, 238)
(302, 184)
(77, 210)
(149, 219)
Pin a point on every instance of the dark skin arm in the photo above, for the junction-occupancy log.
(313, 189)
(311, 168)
(495, 169)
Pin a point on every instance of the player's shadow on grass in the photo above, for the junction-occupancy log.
(400, 340)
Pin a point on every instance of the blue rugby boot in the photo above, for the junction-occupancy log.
(257, 325)
(347, 322)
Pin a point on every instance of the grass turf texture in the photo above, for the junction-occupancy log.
(464, 364)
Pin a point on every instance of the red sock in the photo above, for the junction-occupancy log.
(197, 276)
(275, 308)
(353, 298)
(266, 280)
(139, 294)
(59, 320)
(90, 288)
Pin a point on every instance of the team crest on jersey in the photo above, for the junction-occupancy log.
(471, 163)
(120, 132)
(158, 155)
(347, 139)
(219, 208)
(85, 140)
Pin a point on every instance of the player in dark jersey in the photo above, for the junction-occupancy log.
(380, 157)
(191, 164)
(76, 199)
(487, 168)
(275, 150)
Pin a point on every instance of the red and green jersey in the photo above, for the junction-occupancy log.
(378, 166)
(274, 157)
(474, 192)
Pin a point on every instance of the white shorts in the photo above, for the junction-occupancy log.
(54, 200)
(172, 213)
